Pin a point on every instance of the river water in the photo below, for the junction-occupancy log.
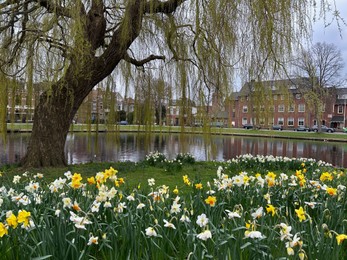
(96, 147)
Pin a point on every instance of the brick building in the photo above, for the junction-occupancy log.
(282, 102)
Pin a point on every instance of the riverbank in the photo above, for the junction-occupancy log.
(286, 134)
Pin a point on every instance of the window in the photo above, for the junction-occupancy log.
(340, 109)
(281, 108)
(290, 121)
(244, 120)
(280, 121)
(291, 108)
(301, 107)
(245, 109)
(282, 97)
(275, 97)
(298, 96)
(301, 121)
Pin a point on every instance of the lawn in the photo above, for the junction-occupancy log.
(247, 208)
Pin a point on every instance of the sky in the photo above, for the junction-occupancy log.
(332, 34)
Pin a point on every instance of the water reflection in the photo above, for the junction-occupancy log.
(84, 147)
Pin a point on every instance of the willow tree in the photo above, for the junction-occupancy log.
(73, 45)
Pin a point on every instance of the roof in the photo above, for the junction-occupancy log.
(295, 85)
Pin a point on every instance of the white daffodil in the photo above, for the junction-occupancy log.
(169, 224)
(205, 235)
(202, 220)
(150, 231)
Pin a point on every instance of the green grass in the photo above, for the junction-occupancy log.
(26, 127)
(134, 173)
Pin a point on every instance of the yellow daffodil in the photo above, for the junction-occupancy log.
(76, 177)
(175, 191)
(211, 200)
(198, 186)
(298, 172)
(301, 214)
(76, 184)
(23, 217)
(271, 175)
(331, 191)
(12, 221)
(3, 229)
(186, 180)
(91, 180)
(271, 209)
(326, 176)
(271, 182)
(340, 238)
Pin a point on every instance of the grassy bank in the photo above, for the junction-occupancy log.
(135, 173)
(335, 137)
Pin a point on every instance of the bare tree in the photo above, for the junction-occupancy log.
(74, 45)
(321, 65)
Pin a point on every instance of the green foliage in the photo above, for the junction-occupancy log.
(185, 158)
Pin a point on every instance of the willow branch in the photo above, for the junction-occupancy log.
(140, 63)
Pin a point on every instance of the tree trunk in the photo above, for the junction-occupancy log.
(52, 119)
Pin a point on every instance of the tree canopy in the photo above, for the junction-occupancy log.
(192, 44)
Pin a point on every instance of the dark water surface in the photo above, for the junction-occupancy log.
(84, 147)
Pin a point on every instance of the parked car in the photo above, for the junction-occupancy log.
(324, 128)
(248, 126)
(217, 124)
(302, 128)
(123, 122)
(277, 127)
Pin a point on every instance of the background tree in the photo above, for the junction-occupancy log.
(74, 45)
(321, 65)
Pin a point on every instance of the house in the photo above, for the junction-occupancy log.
(280, 102)
(181, 112)
(99, 106)
(338, 116)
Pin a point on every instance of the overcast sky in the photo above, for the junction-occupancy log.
(331, 33)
